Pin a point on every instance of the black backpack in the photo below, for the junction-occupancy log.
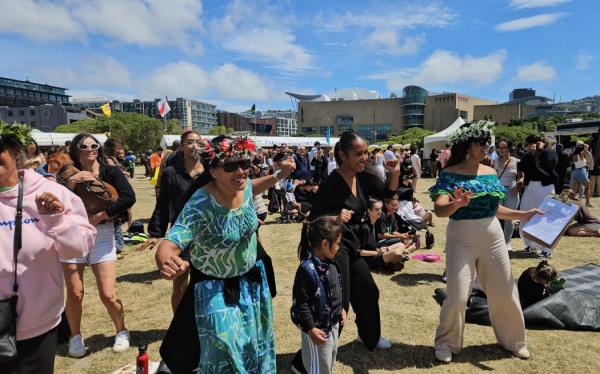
(136, 227)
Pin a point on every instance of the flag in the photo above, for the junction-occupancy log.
(253, 109)
(328, 135)
(106, 109)
(163, 107)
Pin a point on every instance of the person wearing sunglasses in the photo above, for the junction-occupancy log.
(469, 193)
(229, 295)
(54, 223)
(86, 153)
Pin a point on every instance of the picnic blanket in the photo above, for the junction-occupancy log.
(576, 307)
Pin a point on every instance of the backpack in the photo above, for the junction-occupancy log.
(136, 227)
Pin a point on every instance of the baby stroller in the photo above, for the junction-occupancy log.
(285, 201)
(415, 224)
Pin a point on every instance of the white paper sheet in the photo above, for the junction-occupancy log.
(549, 226)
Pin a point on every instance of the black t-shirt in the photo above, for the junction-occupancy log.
(386, 224)
(530, 292)
(540, 166)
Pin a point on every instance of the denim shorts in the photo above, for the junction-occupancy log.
(580, 175)
(104, 247)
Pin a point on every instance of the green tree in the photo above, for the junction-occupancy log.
(134, 131)
(516, 134)
(413, 136)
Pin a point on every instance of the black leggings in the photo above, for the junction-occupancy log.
(35, 355)
(362, 292)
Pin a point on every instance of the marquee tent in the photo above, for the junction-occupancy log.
(49, 139)
(438, 140)
(266, 141)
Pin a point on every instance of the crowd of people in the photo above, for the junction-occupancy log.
(357, 207)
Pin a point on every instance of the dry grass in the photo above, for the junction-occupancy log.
(409, 313)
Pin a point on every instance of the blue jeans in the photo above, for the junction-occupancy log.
(510, 201)
(119, 240)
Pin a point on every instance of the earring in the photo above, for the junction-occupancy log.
(467, 157)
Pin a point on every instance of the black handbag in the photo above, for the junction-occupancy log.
(8, 307)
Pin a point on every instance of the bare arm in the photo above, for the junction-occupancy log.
(447, 204)
(259, 185)
(505, 213)
(168, 261)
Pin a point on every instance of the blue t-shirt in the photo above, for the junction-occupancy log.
(487, 189)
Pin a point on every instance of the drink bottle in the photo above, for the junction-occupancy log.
(142, 360)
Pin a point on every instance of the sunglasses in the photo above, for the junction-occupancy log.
(190, 142)
(85, 147)
(230, 167)
(483, 142)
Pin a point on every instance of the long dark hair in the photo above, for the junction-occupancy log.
(370, 176)
(345, 144)
(74, 148)
(313, 233)
(459, 151)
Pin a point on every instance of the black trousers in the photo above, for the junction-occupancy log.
(34, 356)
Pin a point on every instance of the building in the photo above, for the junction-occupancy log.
(443, 109)
(17, 93)
(286, 126)
(376, 118)
(502, 113)
(194, 114)
(42, 117)
(520, 93)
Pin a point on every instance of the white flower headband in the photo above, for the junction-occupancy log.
(476, 130)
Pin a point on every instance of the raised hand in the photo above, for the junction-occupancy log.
(345, 216)
(173, 267)
(48, 203)
(460, 198)
(528, 214)
(392, 165)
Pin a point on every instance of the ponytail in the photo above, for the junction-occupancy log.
(545, 271)
(313, 234)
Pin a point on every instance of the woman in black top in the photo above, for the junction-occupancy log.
(345, 193)
(86, 153)
(536, 172)
(175, 182)
(433, 163)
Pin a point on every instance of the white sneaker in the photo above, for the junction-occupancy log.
(523, 354)
(443, 356)
(121, 341)
(509, 246)
(76, 346)
(383, 343)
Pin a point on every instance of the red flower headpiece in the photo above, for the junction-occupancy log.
(227, 149)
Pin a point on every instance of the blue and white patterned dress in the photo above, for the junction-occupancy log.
(222, 243)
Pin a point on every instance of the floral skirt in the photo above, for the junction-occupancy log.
(235, 338)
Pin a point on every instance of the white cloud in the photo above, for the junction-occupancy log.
(185, 79)
(397, 17)
(38, 20)
(276, 48)
(232, 82)
(583, 61)
(262, 32)
(94, 70)
(538, 71)
(445, 67)
(141, 22)
(529, 22)
(387, 41)
(526, 4)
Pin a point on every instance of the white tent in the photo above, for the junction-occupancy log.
(48, 139)
(438, 140)
(266, 141)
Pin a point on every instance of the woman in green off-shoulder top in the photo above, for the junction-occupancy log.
(469, 194)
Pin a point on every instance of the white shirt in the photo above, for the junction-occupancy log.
(331, 166)
(415, 160)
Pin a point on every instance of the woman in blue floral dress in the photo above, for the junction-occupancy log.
(469, 193)
(232, 301)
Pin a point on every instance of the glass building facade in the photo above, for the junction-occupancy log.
(414, 106)
(17, 93)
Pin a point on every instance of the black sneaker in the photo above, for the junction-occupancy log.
(297, 365)
(528, 249)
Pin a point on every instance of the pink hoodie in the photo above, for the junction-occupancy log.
(45, 237)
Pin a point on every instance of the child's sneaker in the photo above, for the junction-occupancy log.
(76, 346)
(545, 255)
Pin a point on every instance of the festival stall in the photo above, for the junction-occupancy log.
(267, 141)
(438, 140)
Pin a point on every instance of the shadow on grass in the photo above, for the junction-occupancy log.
(146, 277)
(284, 362)
(402, 356)
(520, 255)
(407, 279)
(99, 342)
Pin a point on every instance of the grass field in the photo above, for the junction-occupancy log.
(409, 314)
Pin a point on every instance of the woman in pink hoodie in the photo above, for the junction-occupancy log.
(54, 224)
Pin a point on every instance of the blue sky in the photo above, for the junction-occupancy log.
(236, 53)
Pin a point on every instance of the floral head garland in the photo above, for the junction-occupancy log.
(476, 130)
(20, 133)
(227, 149)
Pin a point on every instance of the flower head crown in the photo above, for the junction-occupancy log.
(226, 149)
(476, 130)
(20, 133)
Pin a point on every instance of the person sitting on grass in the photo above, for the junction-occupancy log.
(317, 307)
(377, 255)
(586, 223)
(533, 283)
(387, 228)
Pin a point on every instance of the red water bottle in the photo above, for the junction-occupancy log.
(141, 366)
